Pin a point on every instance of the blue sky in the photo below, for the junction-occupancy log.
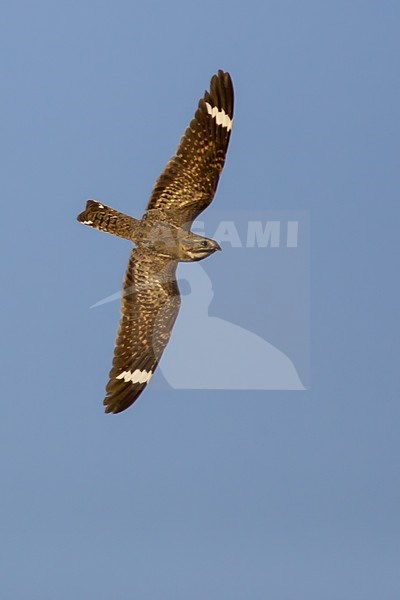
(198, 494)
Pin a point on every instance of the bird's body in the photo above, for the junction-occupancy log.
(152, 233)
(151, 299)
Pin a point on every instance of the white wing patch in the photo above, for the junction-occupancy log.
(87, 222)
(220, 116)
(137, 376)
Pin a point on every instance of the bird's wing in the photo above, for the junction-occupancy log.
(149, 307)
(188, 183)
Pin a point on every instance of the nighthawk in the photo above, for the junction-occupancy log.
(150, 295)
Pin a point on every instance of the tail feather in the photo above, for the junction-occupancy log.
(107, 219)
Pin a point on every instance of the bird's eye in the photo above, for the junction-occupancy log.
(203, 243)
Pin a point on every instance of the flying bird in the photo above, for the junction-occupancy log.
(150, 294)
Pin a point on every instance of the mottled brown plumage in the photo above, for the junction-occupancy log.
(150, 299)
(188, 183)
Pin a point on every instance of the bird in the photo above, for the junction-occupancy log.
(150, 294)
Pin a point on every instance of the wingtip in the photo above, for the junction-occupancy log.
(111, 408)
(121, 395)
(221, 92)
(224, 76)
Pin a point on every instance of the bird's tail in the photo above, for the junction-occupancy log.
(107, 219)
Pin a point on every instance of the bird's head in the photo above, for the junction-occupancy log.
(195, 247)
